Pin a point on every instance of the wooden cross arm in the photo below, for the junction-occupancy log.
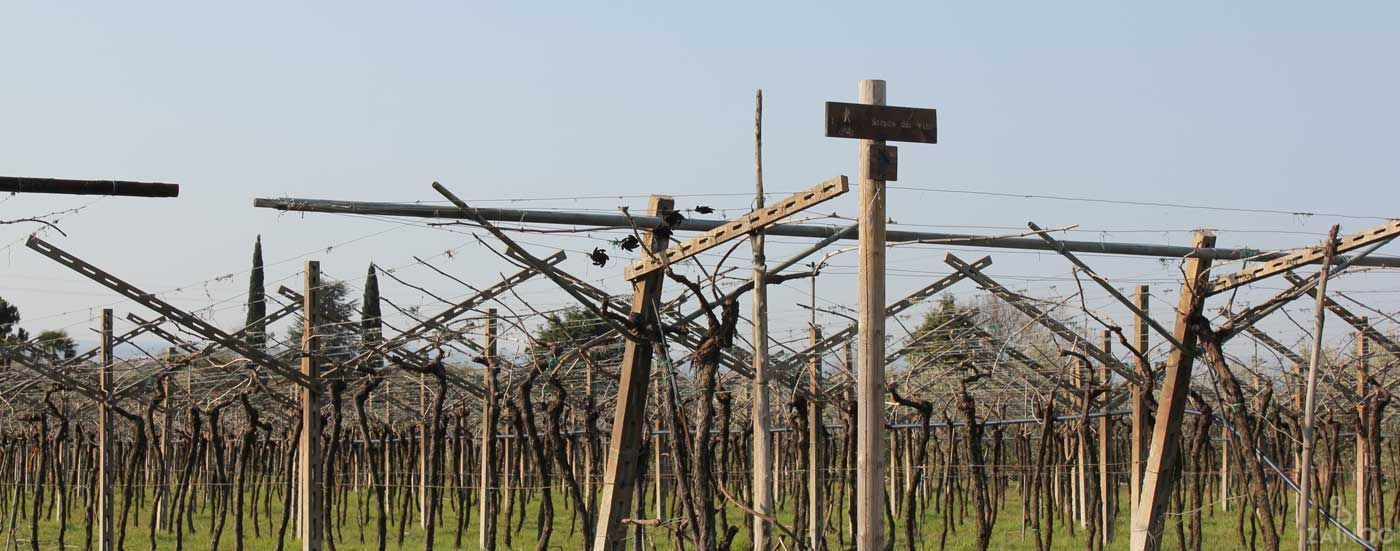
(1041, 317)
(198, 326)
(116, 341)
(1383, 232)
(1355, 321)
(1274, 345)
(745, 225)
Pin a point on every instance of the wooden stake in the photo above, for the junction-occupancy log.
(1158, 473)
(620, 477)
(1304, 512)
(816, 463)
(309, 458)
(1363, 437)
(486, 536)
(1106, 528)
(1141, 404)
(106, 463)
(762, 456)
(870, 379)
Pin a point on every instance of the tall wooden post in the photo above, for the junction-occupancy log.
(620, 477)
(1363, 436)
(870, 378)
(1305, 509)
(1084, 379)
(167, 433)
(106, 460)
(1158, 474)
(1106, 528)
(423, 452)
(1141, 406)
(486, 533)
(816, 507)
(762, 456)
(309, 456)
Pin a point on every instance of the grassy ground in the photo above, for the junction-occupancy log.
(1218, 533)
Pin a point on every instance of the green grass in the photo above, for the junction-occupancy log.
(1218, 532)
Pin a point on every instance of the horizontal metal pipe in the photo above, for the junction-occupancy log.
(17, 184)
(449, 212)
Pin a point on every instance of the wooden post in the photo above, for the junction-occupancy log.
(106, 460)
(1363, 436)
(1304, 511)
(870, 378)
(1082, 378)
(1141, 405)
(167, 433)
(762, 456)
(422, 453)
(1224, 471)
(620, 477)
(816, 463)
(486, 533)
(656, 471)
(1106, 529)
(309, 458)
(1158, 474)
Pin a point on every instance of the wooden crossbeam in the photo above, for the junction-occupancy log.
(1020, 303)
(1274, 345)
(750, 222)
(189, 321)
(1383, 232)
(1355, 321)
(116, 341)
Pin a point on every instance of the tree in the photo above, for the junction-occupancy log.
(57, 343)
(9, 320)
(934, 342)
(340, 335)
(572, 329)
(257, 301)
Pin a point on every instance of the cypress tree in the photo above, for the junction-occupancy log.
(257, 301)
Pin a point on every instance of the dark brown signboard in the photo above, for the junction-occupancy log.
(881, 122)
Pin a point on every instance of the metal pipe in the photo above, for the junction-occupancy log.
(448, 212)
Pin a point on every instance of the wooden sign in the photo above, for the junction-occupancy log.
(881, 122)
(884, 162)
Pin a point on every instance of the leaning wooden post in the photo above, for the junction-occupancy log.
(106, 464)
(1363, 436)
(309, 456)
(1158, 473)
(1305, 509)
(620, 477)
(1106, 529)
(1141, 406)
(762, 456)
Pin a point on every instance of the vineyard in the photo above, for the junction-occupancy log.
(539, 405)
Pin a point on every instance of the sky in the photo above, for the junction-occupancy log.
(1284, 107)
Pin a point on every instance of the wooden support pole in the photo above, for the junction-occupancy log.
(762, 456)
(1084, 380)
(106, 458)
(486, 533)
(1363, 436)
(1158, 475)
(624, 449)
(1304, 512)
(309, 457)
(870, 377)
(1224, 471)
(816, 462)
(167, 434)
(1141, 405)
(423, 463)
(1105, 488)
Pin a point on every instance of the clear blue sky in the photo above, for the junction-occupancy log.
(1272, 105)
